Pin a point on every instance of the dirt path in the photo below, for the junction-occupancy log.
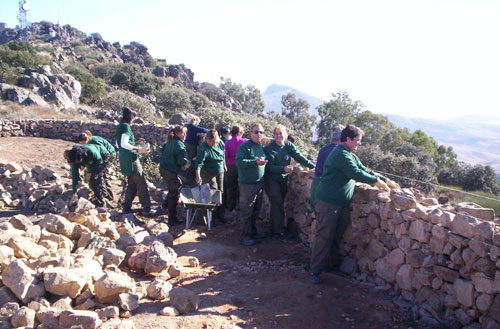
(265, 286)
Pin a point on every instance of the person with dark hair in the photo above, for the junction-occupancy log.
(173, 160)
(279, 153)
(224, 134)
(290, 138)
(130, 165)
(91, 157)
(210, 165)
(320, 161)
(231, 176)
(334, 193)
(87, 138)
(251, 162)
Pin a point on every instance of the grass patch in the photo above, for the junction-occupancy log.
(484, 199)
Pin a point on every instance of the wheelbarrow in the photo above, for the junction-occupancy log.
(200, 198)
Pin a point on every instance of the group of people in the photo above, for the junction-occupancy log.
(244, 169)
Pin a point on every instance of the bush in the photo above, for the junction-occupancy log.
(16, 56)
(117, 100)
(92, 89)
(129, 76)
(172, 100)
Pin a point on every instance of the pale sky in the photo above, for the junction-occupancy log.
(423, 58)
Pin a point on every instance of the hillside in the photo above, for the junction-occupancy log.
(476, 139)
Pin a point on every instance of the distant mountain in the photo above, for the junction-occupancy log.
(475, 139)
(273, 93)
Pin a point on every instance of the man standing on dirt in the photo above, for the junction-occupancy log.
(92, 157)
(251, 162)
(333, 197)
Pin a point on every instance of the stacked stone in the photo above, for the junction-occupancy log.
(443, 258)
(70, 270)
(70, 129)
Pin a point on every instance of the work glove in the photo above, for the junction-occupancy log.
(392, 184)
(381, 185)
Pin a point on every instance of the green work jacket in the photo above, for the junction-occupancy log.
(173, 155)
(341, 170)
(92, 163)
(210, 158)
(103, 142)
(127, 157)
(279, 157)
(246, 161)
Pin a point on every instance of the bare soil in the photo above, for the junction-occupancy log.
(265, 286)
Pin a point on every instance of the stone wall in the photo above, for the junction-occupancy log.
(70, 129)
(444, 259)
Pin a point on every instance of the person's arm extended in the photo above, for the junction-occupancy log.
(125, 144)
(351, 169)
(75, 177)
(294, 152)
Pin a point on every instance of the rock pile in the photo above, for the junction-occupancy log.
(73, 270)
(443, 258)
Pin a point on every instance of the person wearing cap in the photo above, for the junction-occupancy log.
(87, 138)
(251, 162)
(231, 177)
(279, 153)
(92, 158)
(320, 161)
(172, 161)
(341, 170)
(130, 166)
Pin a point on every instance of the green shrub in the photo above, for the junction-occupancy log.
(172, 100)
(92, 89)
(117, 100)
(129, 76)
(16, 56)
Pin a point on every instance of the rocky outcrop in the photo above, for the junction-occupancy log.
(42, 86)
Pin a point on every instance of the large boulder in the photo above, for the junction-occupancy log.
(111, 285)
(65, 282)
(184, 300)
(79, 319)
(18, 278)
(159, 258)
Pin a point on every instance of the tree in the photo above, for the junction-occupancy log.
(341, 109)
(235, 90)
(296, 111)
(253, 100)
(375, 126)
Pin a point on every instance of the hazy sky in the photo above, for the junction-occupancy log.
(426, 58)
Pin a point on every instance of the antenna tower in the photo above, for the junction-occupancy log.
(23, 22)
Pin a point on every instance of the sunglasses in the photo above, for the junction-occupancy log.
(258, 132)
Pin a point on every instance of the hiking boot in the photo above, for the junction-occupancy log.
(315, 278)
(149, 212)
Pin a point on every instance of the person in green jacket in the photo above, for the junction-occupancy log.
(87, 138)
(334, 193)
(210, 165)
(92, 157)
(279, 153)
(172, 161)
(251, 162)
(130, 165)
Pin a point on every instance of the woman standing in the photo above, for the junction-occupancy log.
(130, 165)
(173, 160)
(279, 153)
(232, 195)
(209, 165)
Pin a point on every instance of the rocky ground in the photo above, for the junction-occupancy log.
(265, 286)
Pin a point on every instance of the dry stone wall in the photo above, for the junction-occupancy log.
(70, 129)
(443, 258)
